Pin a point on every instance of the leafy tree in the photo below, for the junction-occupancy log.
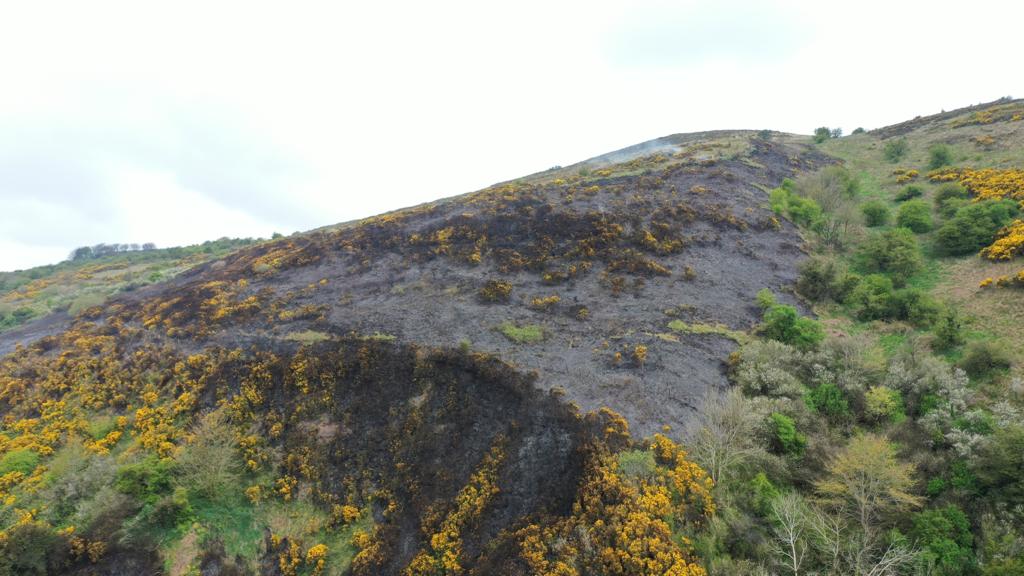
(829, 400)
(939, 155)
(895, 150)
(883, 403)
(868, 478)
(821, 134)
(916, 215)
(876, 213)
(946, 539)
(786, 438)
(894, 252)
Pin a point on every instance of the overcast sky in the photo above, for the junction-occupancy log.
(178, 122)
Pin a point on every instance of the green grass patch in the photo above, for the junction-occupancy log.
(528, 334)
(308, 336)
(716, 329)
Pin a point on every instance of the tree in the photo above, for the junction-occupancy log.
(867, 479)
(725, 436)
(210, 465)
(789, 525)
(944, 534)
(787, 439)
(821, 134)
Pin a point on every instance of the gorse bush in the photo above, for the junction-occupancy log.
(915, 215)
(876, 213)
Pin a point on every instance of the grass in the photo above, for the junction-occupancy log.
(78, 285)
(717, 329)
(997, 313)
(307, 336)
(527, 334)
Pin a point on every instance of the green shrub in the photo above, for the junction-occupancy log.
(916, 215)
(821, 134)
(24, 461)
(909, 192)
(983, 358)
(763, 492)
(999, 464)
(935, 486)
(949, 191)
(894, 252)
(939, 155)
(829, 400)
(638, 464)
(32, 548)
(786, 438)
(802, 211)
(872, 299)
(949, 330)
(765, 298)
(916, 306)
(784, 324)
(975, 226)
(822, 278)
(944, 535)
(146, 480)
(895, 150)
(876, 213)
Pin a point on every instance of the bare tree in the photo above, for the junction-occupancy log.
(724, 436)
(892, 562)
(789, 525)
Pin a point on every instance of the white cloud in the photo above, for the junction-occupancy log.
(245, 117)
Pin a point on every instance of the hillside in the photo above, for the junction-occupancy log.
(669, 359)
